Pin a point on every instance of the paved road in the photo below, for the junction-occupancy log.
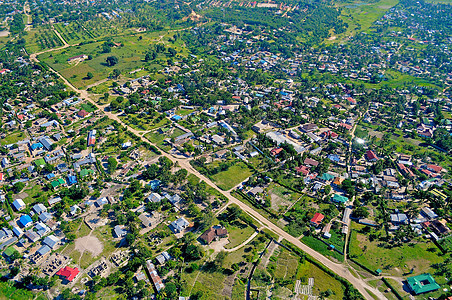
(340, 269)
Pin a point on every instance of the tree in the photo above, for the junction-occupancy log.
(112, 164)
(18, 187)
(111, 61)
(115, 73)
(361, 212)
(89, 75)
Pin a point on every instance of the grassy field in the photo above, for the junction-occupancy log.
(232, 176)
(361, 15)
(238, 234)
(322, 281)
(394, 261)
(320, 247)
(13, 138)
(144, 123)
(130, 55)
(281, 197)
(158, 139)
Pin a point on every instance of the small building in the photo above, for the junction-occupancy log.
(179, 225)
(339, 198)
(119, 231)
(214, 232)
(25, 221)
(423, 283)
(317, 219)
(68, 273)
(51, 241)
(370, 156)
(19, 204)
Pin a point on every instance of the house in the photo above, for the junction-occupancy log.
(255, 191)
(317, 219)
(213, 233)
(423, 283)
(119, 231)
(51, 241)
(154, 197)
(155, 278)
(303, 170)
(25, 221)
(399, 218)
(80, 57)
(434, 168)
(339, 198)
(179, 225)
(428, 213)
(163, 257)
(68, 273)
(100, 202)
(276, 151)
(32, 236)
(39, 208)
(71, 180)
(308, 127)
(45, 217)
(370, 156)
(19, 204)
(82, 113)
(311, 162)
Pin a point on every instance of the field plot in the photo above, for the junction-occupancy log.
(361, 15)
(41, 38)
(232, 176)
(418, 255)
(130, 51)
(280, 197)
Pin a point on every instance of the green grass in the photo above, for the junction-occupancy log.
(184, 112)
(395, 261)
(232, 177)
(8, 291)
(130, 55)
(360, 16)
(238, 234)
(322, 281)
(320, 247)
(88, 107)
(158, 139)
(13, 138)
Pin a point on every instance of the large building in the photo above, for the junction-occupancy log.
(423, 283)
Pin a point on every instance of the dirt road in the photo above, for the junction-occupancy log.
(340, 269)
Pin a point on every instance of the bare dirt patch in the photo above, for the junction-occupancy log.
(89, 243)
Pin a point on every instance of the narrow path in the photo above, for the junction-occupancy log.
(242, 244)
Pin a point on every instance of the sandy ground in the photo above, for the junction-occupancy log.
(4, 33)
(89, 243)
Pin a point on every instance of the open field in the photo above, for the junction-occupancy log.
(13, 138)
(232, 176)
(238, 234)
(361, 15)
(130, 56)
(375, 255)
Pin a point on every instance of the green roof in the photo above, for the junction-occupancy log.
(9, 251)
(85, 172)
(40, 162)
(57, 182)
(327, 177)
(423, 283)
(339, 198)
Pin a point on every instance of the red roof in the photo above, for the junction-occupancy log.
(302, 169)
(83, 113)
(434, 168)
(276, 151)
(68, 273)
(20, 117)
(311, 162)
(370, 155)
(1, 176)
(347, 126)
(317, 219)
